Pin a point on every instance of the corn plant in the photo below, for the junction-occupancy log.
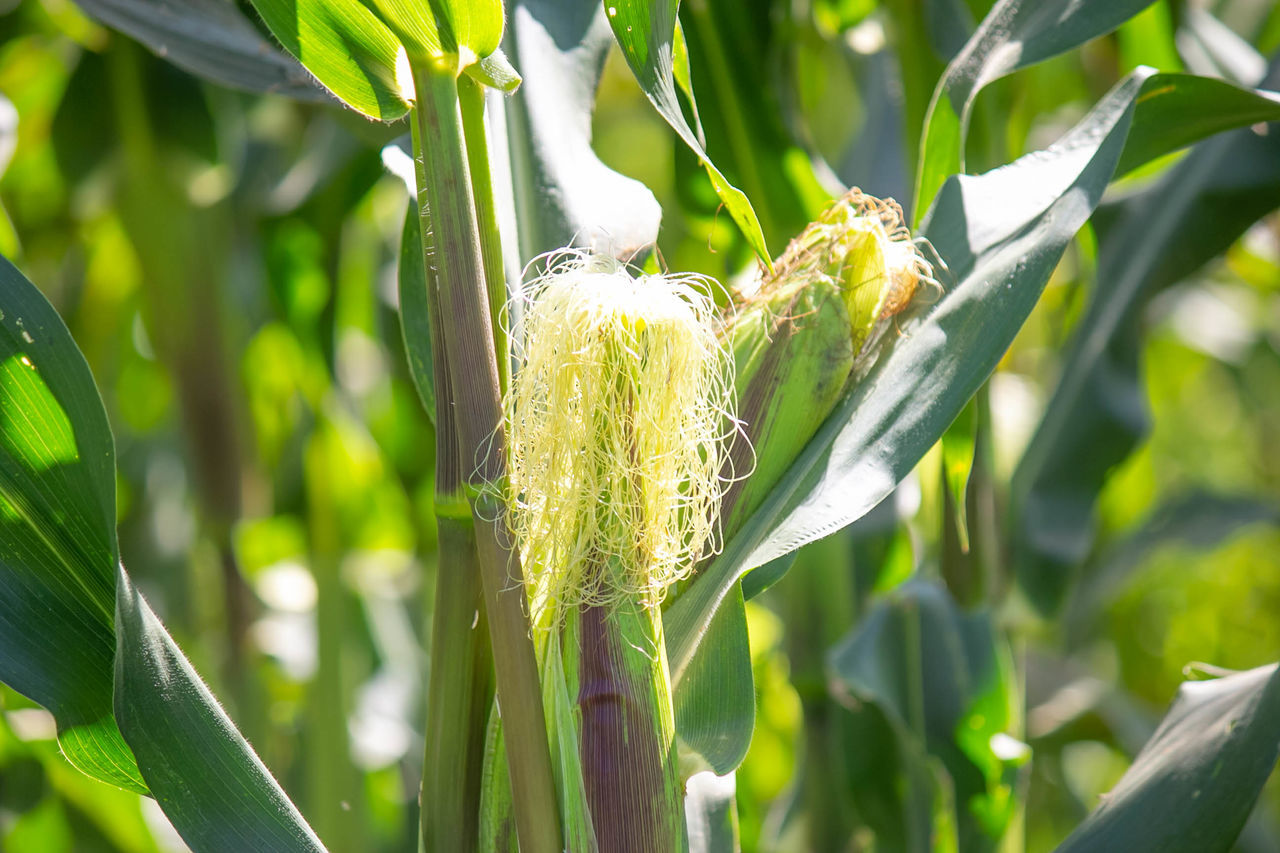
(623, 455)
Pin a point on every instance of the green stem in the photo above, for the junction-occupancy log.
(473, 369)
(471, 99)
(333, 790)
(460, 691)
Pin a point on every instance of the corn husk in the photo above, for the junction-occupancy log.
(618, 420)
(804, 333)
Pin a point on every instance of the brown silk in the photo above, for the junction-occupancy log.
(903, 284)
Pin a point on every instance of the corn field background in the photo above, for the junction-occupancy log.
(1016, 587)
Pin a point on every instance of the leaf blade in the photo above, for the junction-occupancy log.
(1097, 413)
(1192, 786)
(347, 48)
(57, 533)
(646, 34)
(211, 39)
(1014, 35)
(92, 658)
(211, 784)
(1001, 234)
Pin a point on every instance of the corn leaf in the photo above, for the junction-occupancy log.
(465, 30)
(130, 709)
(1098, 413)
(1015, 34)
(943, 682)
(347, 48)
(645, 30)
(1193, 785)
(415, 318)
(1001, 235)
(209, 38)
(212, 786)
(57, 534)
(715, 720)
(732, 51)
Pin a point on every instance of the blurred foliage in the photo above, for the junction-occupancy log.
(275, 465)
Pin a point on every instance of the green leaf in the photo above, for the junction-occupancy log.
(80, 645)
(456, 32)
(57, 533)
(715, 707)
(415, 318)
(1015, 34)
(210, 783)
(564, 194)
(645, 30)
(683, 76)
(1193, 785)
(1001, 234)
(731, 50)
(209, 38)
(1186, 109)
(347, 48)
(938, 674)
(1098, 412)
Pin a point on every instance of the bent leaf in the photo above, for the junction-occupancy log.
(212, 786)
(1001, 234)
(57, 533)
(1098, 411)
(646, 33)
(348, 49)
(101, 663)
(563, 194)
(1192, 786)
(209, 38)
(1015, 34)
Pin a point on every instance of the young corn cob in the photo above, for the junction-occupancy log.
(800, 338)
(617, 435)
(619, 420)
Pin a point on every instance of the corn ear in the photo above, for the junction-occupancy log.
(617, 440)
(806, 331)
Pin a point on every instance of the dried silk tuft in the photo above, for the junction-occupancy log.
(619, 419)
(862, 243)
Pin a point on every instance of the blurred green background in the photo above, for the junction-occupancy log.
(275, 465)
